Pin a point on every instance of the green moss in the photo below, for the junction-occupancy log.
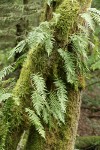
(68, 11)
(22, 86)
(35, 142)
(87, 141)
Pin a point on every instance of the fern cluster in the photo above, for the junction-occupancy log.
(47, 103)
(50, 104)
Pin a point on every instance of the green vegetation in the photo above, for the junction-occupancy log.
(46, 97)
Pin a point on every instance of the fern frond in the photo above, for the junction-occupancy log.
(35, 120)
(95, 14)
(39, 95)
(42, 35)
(38, 102)
(39, 84)
(18, 49)
(55, 108)
(4, 96)
(6, 71)
(69, 66)
(61, 94)
(80, 44)
(88, 19)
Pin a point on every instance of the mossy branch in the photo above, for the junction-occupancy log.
(87, 141)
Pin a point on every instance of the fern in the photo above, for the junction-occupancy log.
(88, 19)
(6, 71)
(61, 94)
(35, 120)
(80, 46)
(4, 96)
(69, 66)
(39, 84)
(39, 94)
(55, 108)
(42, 35)
(18, 49)
(95, 15)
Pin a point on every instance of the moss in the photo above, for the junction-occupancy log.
(22, 86)
(68, 17)
(87, 141)
(82, 82)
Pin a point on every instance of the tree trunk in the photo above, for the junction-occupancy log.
(63, 137)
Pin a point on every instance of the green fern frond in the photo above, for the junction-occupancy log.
(18, 49)
(41, 35)
(39, 84)
(38, 102)
(49, 45)
(35, 120)
(55, 108)
(39, 95)
(6, 71)
(88, 19)
(69, 66)
(4, 96)
(80, 44)
(61, 94)
(95, 14)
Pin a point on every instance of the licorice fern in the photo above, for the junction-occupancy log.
(47, 103)
(69, 66)
(55, 108)
(80, 44)
(95, 15)
(6, 71)
(61, 94)
(35, 120)
(42, 35)
(39, 35)
(88, 19)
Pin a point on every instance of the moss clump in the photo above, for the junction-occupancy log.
(23, 84)
(68, 11)
(87, 141)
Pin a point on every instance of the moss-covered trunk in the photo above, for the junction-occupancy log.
(60, 137)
